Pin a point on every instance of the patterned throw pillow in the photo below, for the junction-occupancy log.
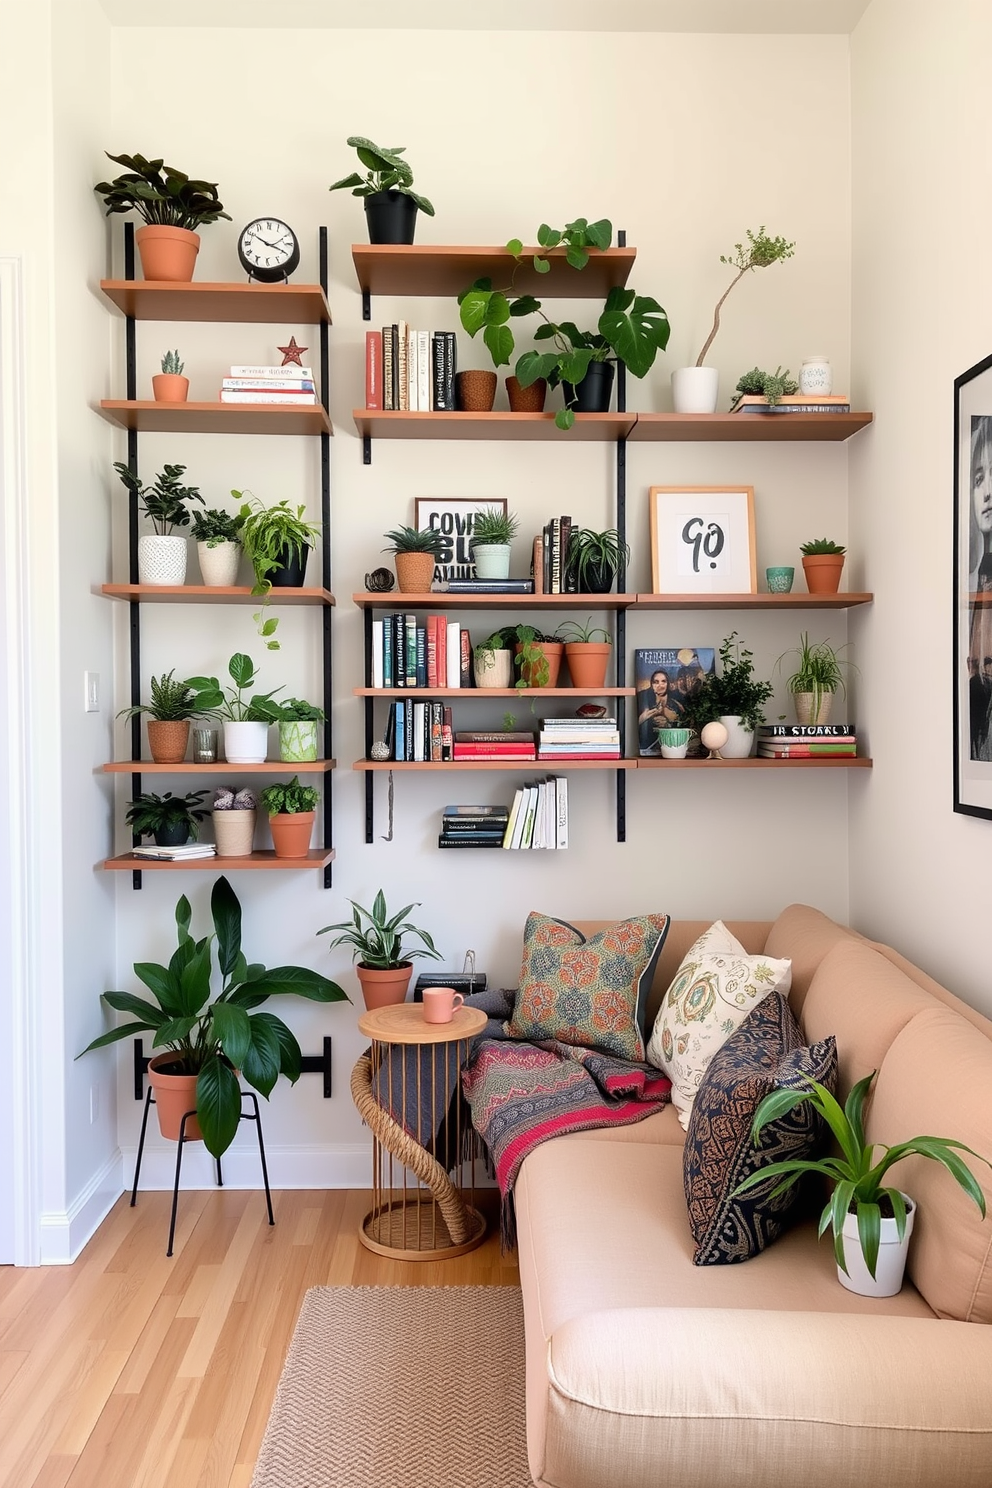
(711, 994)
(766, 1053)
(587, 992)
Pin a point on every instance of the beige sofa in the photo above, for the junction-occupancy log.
(645, 1371)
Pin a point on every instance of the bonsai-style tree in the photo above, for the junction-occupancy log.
(760, 253)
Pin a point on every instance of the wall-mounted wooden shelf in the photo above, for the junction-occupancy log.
(221, 767)
(395, 600)
(213, 594)
(249, 303)
(542, 766)
(746, 428)
(750, 601)
(428, 270)
(601, 428)
(822, 762)
(214, 418)
(317, 857)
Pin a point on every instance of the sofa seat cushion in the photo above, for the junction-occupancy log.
(660, 1126)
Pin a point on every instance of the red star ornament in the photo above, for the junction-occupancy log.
(292, 352)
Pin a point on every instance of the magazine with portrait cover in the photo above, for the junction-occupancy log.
(664, 678)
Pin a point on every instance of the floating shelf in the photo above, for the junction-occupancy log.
(281, 767)
(429, 270)
(841, 601)
(213, 594)
(543, 766)
(602, 428)
(822, 763)
(317, 857)
(747, 428)
(479, 693)
(395, 600)
(214, 418)
(249, 304)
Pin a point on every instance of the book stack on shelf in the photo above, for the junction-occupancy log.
(552, 572)
(288, 385)
(177, 854)
(473, 826)
(412, 651)
(579, 739)
(419, 731)
(494, 744)
(539, 815)
(794, 403)
(787, 741)
(410, 371)
(484, 586)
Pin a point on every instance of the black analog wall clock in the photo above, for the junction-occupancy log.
(269, 250)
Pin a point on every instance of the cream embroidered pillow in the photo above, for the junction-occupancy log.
(711, 994)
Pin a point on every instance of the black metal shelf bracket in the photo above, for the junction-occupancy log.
(310, 1064)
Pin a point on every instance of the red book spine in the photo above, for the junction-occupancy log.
(441, 624)
(373, 369)
(433, 679)
(495, 751)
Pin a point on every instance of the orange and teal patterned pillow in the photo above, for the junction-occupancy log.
(589, 992)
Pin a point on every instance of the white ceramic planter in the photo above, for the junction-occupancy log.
(674, 742)
(492, 560)
(298, 741)
(493, 668)
(219, 564)
(246, 743)
(162, 560)
(740, 740)
(891, 1263)
(695, 389)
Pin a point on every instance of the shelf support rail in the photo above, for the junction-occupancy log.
(325, 519)
(621, 616)
(310, 1064)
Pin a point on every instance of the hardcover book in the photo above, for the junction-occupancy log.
(804, 730)
(665, 678)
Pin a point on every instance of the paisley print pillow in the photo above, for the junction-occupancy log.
(589, 992)
(710, 995)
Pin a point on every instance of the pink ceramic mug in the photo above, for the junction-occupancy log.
(440, 1004)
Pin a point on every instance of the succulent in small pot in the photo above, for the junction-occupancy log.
(172, 207)
(492, 533)
(173, 704)
(217, 535)
(595, 558)
(277, 540)
(382, 959)
(772, 386)
(416, 551)
(246, 719)
(298, 722)
(169, 385)
(162, 557)
(391, 204)
(587, 651)
(291, 807)
(171, 820)
(823, 562)
(234, 813)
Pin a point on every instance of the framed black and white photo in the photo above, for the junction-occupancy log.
(454, 519)
(702, 540)
(973, 590)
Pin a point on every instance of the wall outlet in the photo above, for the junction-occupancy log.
(91, 692)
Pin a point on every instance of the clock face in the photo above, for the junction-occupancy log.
(268, 249)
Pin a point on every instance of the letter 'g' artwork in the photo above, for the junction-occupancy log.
(454, 519)
(702, 540)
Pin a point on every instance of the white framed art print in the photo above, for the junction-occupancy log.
(702, 540)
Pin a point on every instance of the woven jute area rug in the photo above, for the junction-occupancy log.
(401, 1387)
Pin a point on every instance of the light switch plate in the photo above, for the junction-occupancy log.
(91, 691)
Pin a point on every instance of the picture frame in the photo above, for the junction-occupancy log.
(972, 616)
(702, 540)
(453, 515)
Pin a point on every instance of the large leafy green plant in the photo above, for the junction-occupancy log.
(376, 937)
(213, 1036)
(160, 194)
(386, 171)
(233, 704)
(270, 534)
(734, 691)
(856, 1175)
(165, 500)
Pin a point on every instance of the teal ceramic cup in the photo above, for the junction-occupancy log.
(674, 742)
(779, 580)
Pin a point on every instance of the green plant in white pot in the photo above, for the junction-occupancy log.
(217, 535)
(298, 722)
(162, 554)
(246, 719)
(492, 533)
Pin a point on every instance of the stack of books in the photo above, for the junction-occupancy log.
(419, 731)
(494, 744)
(483, 586)
(539, 815)
(787, 741)
(794, 403)
(289, 385)
(177, 854)
(410, 371)
(418, 651)
(473, 826)
(552, 572)
(579, 739)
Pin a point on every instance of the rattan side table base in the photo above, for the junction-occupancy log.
(420, 1228)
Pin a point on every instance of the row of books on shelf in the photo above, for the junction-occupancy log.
(794, 403)
(422, 731)
(537, 818)
(293, 386)
(409, 370)
(807, 741)
(553, 573)
(420, 651)
(578, 739)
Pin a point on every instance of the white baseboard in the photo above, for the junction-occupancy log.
(61, 1236)
(339, 1166)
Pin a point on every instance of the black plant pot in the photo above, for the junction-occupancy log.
(597, 579)
(176, 834)
(292, 568)
(594, 392)
(391, 217)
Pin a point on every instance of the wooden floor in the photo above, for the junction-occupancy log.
(127, 1369)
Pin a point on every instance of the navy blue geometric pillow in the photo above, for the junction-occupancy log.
(766, 1053)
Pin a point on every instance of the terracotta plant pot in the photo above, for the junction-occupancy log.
(414, 572)
(384, 988)
(167, 253)
(291, 833)
(175, 1094)
(475, 391)
(553, 651)
(234, 832)
(167, 740)
(526, 399)
(170, 387)
(822, 572)
(587, 663)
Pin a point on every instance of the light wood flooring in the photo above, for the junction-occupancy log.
(128, 1369)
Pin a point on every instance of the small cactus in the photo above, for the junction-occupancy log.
(171, 362)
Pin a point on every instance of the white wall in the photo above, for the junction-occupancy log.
(510, 151)
(922, 307)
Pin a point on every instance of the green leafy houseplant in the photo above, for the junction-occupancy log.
(574, 633)
(820, 545)
(213, 1036)
(298, 710)
(172, 701)
(595, 558)
(160, 194)
(492, 528)
(415, 540)
(171, 363)
(530, 658)
(214, 526)
(772, 386)
(376, 938)
(289, 797)
(760, 252)
(856, 1175)
(272, 536)
(819, 670)
(385, 171)
(233, 704)
(175, 816)
(164, 502)
(733, 691)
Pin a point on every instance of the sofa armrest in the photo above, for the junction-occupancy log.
(692, 1397)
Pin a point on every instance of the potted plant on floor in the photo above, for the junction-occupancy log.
(162, 557)
(277, 540)
(416, 550)
(492, 662)
(173, 705)
(816, 679)
(234, 814)
(206, 1039)
(696, 389)
(291, 807)
(595, 558)
(587, 651)
(823, 561)
(171, 820)
(382, 960)
(246, 719)
(735, 697)
(298, 722)
(217, 535)
(870, 1222)
(172, 208)
(492, 533)
(169, 385)
(391, 204)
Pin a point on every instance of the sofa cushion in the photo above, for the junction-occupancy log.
(711, 994)
(936, 1080)
(765, 1054)
(587, 991)
(805, 935)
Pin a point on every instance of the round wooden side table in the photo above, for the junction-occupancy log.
(403, 1089)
